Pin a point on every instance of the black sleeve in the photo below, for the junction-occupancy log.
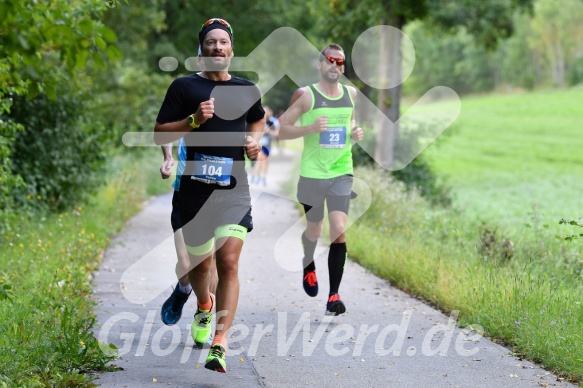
(256, 112)
(172, 107)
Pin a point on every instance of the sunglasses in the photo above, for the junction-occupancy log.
(339, 61)
(216, 20)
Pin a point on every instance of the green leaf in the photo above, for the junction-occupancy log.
(113, 53)
(108, 34)
(100, 43)
(23, 42)
(85, 43)
(4, 291)
(81, 59)
(98, 61)
(50, 91)
(33, 90)
(86, 26)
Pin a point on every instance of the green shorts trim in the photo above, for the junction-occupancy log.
(229, 230)
(202, 250)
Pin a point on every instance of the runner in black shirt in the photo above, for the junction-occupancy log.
(215, 110)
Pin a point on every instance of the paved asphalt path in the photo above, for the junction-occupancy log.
(282, 337)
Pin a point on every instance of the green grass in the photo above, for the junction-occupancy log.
(46, 336)
(511, 155)
(498, 255)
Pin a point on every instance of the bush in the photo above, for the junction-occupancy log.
(575, 74)
(417, 175)
(9, 182)
(59, 154)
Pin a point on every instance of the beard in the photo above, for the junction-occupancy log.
(331, 77)
(211, 64)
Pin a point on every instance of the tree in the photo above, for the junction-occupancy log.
(558, 35)
(487, 21)
(44, 44)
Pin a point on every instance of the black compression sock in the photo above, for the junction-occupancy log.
(336, 261)
(309, 249)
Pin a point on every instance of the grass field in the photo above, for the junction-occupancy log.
(498, 255)
(515, 158)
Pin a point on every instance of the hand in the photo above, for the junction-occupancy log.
(251, 148)
(357, 133)
(320, 125)
(166, 168)
(205, 111)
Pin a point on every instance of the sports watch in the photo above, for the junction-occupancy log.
(191, 122)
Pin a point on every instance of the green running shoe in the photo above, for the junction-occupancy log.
(216, 359)
(201, 326)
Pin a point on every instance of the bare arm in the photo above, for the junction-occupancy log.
(255, 130)
(300, 103)
(170, 132)
(356, 133)
(166, 167)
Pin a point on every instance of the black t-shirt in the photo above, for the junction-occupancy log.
(237, 102)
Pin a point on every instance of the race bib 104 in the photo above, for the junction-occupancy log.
(334, 137)
(212, 169)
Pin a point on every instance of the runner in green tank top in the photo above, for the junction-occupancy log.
(326, 114)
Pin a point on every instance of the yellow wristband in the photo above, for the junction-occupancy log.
(191, 122)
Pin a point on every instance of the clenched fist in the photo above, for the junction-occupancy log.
(357, 133)
(251, 148)
(320, 125)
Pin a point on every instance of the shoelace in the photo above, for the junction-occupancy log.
(205, 319)
(216, 352)
(311, 278)
(333, 298)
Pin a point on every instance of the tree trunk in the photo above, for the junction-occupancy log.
(389, 100)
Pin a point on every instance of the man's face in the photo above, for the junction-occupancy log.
(331, 71)
(217, 50)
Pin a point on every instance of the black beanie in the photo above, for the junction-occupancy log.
(211, 27)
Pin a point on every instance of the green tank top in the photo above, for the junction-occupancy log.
(328, 154)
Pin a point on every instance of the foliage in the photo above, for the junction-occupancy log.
(60, 154)
(39, 37)
(514, 64)
(417, 175)
(579, 224)
(497, 276)
(136, 25)
(487, 21)
(180, 37)
(557, 36)
(575, 75)
(48, 330)
(8, 180)
(47, 45)
(5, 293)
(465, 68)
(544, 50)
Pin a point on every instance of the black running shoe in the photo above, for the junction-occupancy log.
(310, 283)
(335, 305)
(172, 308)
